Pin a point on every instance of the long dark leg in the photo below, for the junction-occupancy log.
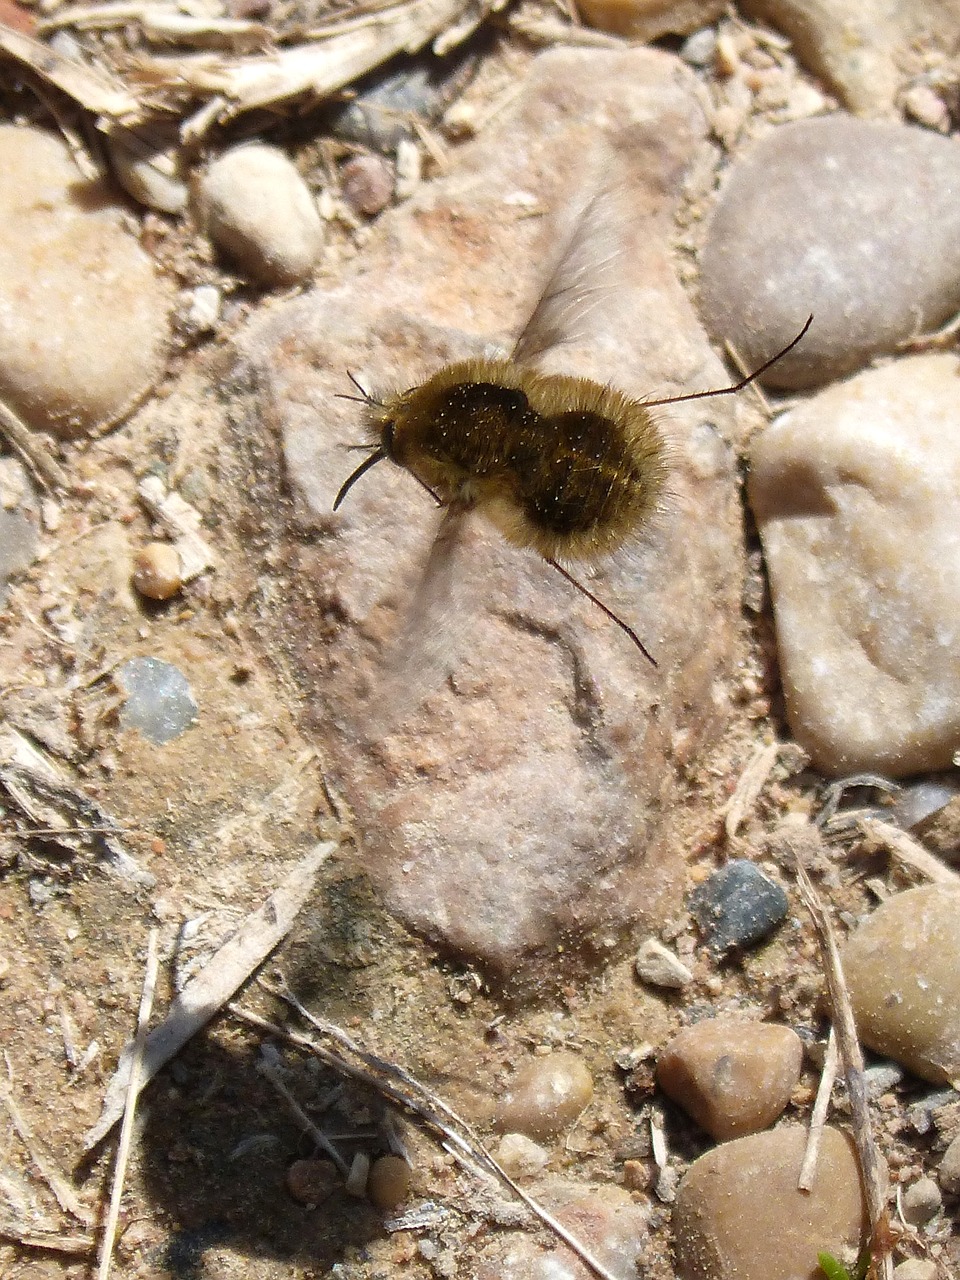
(737, 386)
(603, 608)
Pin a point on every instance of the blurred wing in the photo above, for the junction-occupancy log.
(583, 274)
(429, 643)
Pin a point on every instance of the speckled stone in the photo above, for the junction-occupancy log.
(521, 815)
(903, 971)
(738, 906)
(855, 221)
(857, 497)
(733, 1077)
(739, 1213)
(84, 315)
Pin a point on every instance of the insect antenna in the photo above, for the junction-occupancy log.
(363, 398)
(603, 608)
(378, 455)
(744, 382)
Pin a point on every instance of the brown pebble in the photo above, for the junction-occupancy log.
(740, 1213)
(367, 184)
(903, 969)
(388, 1182)
(637, 1175)
(949, 1171)
(547, 1096)
(156, 571)
(311, 1181)
(733, 1077)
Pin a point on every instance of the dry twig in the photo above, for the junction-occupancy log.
(130, 1106)
(872, 1166)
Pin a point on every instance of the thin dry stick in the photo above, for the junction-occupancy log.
(130, 1106)
(271, 1074)
(397, 1085)
(828, 1074)
(872, 1166)
(905, 849)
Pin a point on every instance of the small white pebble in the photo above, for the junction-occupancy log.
(204, 309)
(520, 1155)
(356, 1183)
(658, 965)
(923, 104)
(409, 168)
(916, 1269)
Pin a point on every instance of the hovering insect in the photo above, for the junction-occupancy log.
(565, 466)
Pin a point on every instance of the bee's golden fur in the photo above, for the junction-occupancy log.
(562, 465)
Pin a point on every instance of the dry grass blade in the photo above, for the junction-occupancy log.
(338, 55)
(130, 1105)
(872, 1166)
(404, 1090)
(48, 1241)
(818, 1119)
(214, 985)
(44, 796)
(95, 90)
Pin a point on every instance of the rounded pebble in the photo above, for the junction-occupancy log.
(312, 1181)
(739, 1212)
(84, 317)
(916, 1269)
(949, 1170)
(737, 906)
(646, 20)
(157, 572)
(921, 1201)
(733, 1077)
(856, 221)
(903, 970)
(259, 212)
(388, 1182)
(153, 177)
(520, 1155)
(855, 496)
(367, 184)
(660, 967)
(159, 702)
(546, 1097)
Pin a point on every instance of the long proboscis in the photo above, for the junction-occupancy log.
(378, 455)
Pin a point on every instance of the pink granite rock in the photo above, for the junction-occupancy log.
(522, 809)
